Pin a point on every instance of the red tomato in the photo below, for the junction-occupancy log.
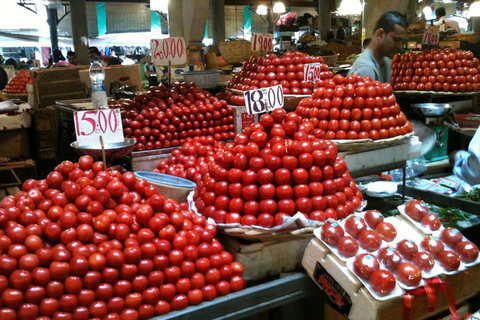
(331, 233)
(451, 236)
(347, 246)
(449, 260)
(432, 245)
(467, 250)
(386, 231)
(382, 282)
(431, 221)
(355, 225)
(389, 257)
(416, 209)
(407, 248)
(424, 261)
(365, 264)
(409, 274)
(370, 240)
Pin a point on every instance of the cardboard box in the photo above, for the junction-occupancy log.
(263, 259)
(241, 119)
(14, 143)
(115, 77)
(354, 300)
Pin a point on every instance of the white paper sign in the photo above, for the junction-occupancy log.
(262, 42)
(431, 37)
(90, 125)
(264, 99)
(312, 71)
(167, 50)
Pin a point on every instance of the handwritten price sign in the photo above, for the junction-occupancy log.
(264, 99)
(312, 71)
(167, 50)
(90, 125)
(262, 42)
(431, 37)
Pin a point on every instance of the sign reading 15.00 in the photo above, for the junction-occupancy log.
(167, 50)
(264, 99)
(90, 125)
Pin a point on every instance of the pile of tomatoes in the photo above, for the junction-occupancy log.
(354, 107)
(273, 170)
(271, 70)
(91, 244)
(448, 70)
(163, 117)
(187, 162)
(18, 84)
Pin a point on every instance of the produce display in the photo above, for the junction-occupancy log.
(354, 107)
(187, 161)
(271, 70)
(165, 118)
(448, 70)
(381, 255)
(91, 244)
(18, 84)
(273, 170)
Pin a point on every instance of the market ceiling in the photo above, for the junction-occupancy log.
(288, 3)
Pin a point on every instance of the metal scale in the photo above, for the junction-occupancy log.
(434, 114)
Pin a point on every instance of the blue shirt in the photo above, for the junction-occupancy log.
(467, 163)
(367, 65)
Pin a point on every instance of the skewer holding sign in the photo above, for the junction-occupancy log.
(168, 52)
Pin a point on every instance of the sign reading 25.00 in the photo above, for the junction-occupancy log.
(264, 99)
(90, 125)
(167, 50)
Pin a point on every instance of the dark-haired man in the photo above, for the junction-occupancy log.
(445, 22)
(387, 40)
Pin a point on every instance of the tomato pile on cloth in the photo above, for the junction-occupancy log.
(165, 118)
(273, 170)
(18, 84)
(85, 243)
(271, 70)
(448, 70)
(354, 107)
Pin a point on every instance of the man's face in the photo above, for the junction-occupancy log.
(71, 59)
(391, 43)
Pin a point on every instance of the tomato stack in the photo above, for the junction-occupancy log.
(165, 118)
(187, 162)
(448, 70)
(271, 70)
(353, 107)
(273, 170)
(91, 244)
(18, 84)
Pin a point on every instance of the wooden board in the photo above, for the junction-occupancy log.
(46, 127)
(360, 145)
(267, 235)
(56, 74)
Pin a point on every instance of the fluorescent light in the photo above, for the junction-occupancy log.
(427, 11)
(262, 10)
(159, 5)
(350, 7)
(474, 10)
(279, 7)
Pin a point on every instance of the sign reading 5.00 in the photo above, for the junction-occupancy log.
(167, 50)
(264, 99)
(90, 125)
(312, 71)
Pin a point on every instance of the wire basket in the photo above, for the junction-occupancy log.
(236, 51)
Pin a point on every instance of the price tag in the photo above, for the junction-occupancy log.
(167, 50)
(431, 37)
(264, 99)
(262, 42)
(312, 71)
(90, 125)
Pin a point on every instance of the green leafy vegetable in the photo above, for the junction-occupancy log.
(473, 195)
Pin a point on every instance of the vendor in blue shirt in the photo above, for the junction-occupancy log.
(387, 40)
(467, 163)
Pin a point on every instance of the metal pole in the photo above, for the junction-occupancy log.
(53, 22)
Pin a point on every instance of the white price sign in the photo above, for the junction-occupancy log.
(90, 125)
(262, 42)
(167, 50)
(264, 99)
(431, 37)
(312, 71)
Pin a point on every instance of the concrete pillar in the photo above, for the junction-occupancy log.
(217, 21)
(375, 8)
(195, 15)
(324, 18)
(412, 11)
(78, 13)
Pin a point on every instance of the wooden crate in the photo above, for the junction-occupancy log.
(14, 143)
(12, 174)
(50, 85)
(46, 127)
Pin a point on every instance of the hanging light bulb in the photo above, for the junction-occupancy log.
(262, 10)
(427, 11)
(159, 5)
(474, 10)
(350, 7)
(279, 7)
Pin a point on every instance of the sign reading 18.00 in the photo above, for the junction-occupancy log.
(264, 99)
(90, 125)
